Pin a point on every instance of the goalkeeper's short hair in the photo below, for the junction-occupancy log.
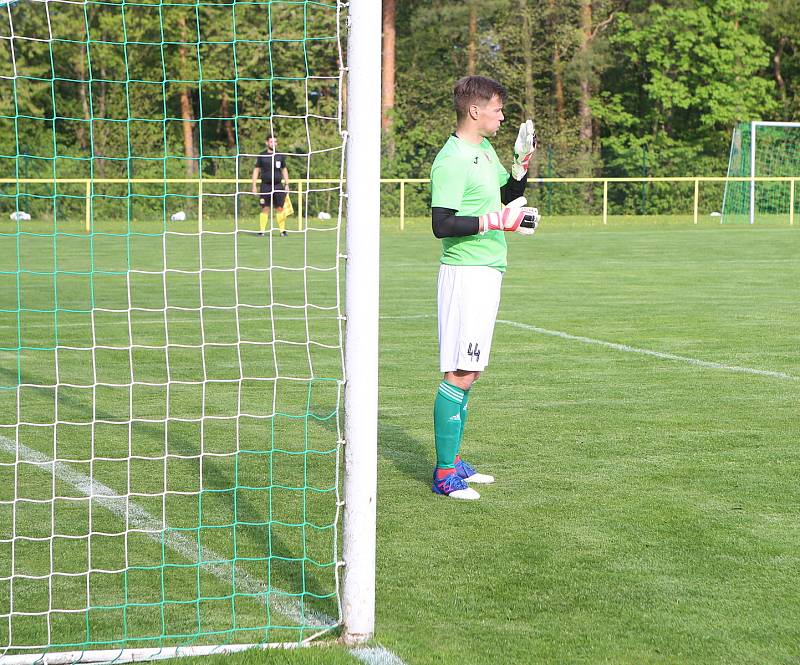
(474, 89)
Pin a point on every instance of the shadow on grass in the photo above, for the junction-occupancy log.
(408, 454)
(217, 476)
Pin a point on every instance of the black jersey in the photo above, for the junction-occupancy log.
(270, 165)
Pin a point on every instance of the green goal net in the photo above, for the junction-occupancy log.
(764, 160)
(171, 379)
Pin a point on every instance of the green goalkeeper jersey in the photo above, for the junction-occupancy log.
(467, 178)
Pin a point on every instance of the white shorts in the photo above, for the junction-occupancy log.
(468, 300)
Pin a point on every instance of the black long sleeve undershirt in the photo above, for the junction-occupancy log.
(513, 189)
(446, 224)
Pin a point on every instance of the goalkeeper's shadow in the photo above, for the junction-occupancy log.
(408, 454)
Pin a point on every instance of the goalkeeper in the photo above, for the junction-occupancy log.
(469, 188)
(271, 167)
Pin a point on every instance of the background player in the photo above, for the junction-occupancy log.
(469, 187)
(271, 167)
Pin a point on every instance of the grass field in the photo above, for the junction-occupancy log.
(646, 505)
(150, 369)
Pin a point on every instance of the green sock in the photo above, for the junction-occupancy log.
(464, 403)
(447, 424)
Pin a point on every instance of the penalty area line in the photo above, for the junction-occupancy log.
(625, 348)
(649, 352)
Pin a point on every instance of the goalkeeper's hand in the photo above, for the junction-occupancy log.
(514, 217)
(524, 147)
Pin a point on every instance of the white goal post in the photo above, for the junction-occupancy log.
(361, 336)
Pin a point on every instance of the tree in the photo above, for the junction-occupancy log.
(700, 70)
(472, 39)
(781, 30)
(187, 110)
(553, 21)
(387, 72)
(602, 84)
(589, 32)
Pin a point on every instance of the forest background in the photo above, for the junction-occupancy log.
(180, 89)
(617, 88)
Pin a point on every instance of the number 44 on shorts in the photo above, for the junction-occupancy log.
(473, 351)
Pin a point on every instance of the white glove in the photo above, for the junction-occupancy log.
(514, 217)
(524, 147)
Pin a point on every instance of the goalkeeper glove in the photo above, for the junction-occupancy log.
(524, 147)
(514, 217)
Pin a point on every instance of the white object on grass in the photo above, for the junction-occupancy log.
(178, 216)
(19, 216)
(324, 215)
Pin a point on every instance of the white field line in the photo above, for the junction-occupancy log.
(138, 518)
(628, 349)
(648, 352)
(376, 656)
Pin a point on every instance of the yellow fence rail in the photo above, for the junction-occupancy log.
(605, 182)
(302, 187)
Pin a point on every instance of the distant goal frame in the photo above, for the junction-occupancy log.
(754, 125)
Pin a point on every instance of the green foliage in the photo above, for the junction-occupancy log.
(780, 24)
(103, 97)
(96, 89)
(699, 72)
(701, 66)
(668, 80)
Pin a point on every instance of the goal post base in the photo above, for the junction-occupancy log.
(356, 639)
